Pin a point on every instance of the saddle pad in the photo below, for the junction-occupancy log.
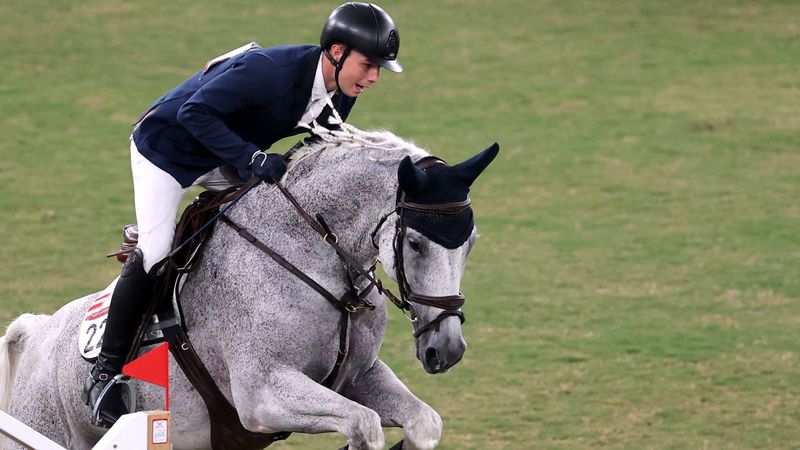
(92, 328)
(90, 333)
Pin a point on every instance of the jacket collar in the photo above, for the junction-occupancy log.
(305, 79)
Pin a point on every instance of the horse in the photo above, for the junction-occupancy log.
(267, 338)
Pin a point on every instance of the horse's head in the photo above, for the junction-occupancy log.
(428, 250)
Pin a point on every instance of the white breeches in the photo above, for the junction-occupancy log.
(157, 196)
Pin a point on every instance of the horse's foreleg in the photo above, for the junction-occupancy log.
(380, 390)
(290, 401)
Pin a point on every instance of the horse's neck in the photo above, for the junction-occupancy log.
(350, 195)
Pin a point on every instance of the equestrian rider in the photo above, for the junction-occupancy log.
(213, 130)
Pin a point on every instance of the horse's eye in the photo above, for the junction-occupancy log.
(414, 246)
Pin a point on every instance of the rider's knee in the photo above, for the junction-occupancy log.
(155, 247)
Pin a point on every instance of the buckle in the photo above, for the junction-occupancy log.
(330, 239)
(353, 308)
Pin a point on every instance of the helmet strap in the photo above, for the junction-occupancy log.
(338, 64)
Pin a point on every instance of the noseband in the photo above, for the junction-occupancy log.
(450, 304)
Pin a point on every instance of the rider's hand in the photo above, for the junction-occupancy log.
(268, 166)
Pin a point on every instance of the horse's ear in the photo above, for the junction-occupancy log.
(469, 170)
(412, 180)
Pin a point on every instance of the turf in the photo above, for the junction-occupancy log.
(636, 280)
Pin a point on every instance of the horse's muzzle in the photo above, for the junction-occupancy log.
(441, 352)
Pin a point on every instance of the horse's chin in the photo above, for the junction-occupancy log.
(433, 365)
(432, 370)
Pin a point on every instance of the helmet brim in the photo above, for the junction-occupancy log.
(388, 64)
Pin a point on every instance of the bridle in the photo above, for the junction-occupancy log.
(450, 304)
(355, 301)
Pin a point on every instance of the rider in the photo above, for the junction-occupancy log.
(213, 130)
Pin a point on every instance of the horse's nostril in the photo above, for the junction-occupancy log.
(432, 357)
(430, 353)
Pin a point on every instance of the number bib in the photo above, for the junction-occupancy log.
(90, 338)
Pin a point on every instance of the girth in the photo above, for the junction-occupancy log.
(227, 432)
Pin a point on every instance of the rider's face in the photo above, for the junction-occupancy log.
(358, 72)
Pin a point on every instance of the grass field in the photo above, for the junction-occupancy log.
(637, 280)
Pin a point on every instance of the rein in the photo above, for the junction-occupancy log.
(353, 301)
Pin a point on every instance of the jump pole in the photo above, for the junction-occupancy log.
(25, 435)
(145, 430)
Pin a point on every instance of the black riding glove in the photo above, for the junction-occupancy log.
(268, 166)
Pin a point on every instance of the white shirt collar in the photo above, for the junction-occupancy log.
(318, 90)
(319, 98)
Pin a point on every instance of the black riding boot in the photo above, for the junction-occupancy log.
(128, 304)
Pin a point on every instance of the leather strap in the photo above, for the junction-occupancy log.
(346, 257)
(353, 301)
(231, 197)
(283, 262)
(444, 302)
(435, 322)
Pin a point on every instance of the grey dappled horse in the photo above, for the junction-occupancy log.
(267, 338)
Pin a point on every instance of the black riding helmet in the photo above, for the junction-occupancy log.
(364, 27)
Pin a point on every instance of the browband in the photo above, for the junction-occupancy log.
(440, 208)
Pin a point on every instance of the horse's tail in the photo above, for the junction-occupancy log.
(11, 345)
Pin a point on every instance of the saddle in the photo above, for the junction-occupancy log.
(191, 232)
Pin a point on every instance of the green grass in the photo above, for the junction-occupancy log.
(636, 282)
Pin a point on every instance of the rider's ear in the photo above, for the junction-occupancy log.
(469, 170)
(411, 178)
(336, 50)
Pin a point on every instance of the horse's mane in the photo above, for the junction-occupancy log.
(386, 144)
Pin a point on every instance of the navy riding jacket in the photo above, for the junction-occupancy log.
(223, 114)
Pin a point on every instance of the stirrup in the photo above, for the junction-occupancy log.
(121, 380)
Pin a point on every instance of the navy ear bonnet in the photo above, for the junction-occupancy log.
(441, 184)
(447, 230)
